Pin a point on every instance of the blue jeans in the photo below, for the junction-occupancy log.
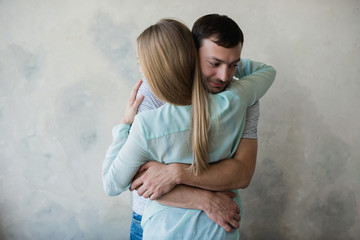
(136, 231)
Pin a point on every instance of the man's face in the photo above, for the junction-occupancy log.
(218, 64)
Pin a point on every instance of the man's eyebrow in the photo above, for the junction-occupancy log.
(237, 60)
(222, 61)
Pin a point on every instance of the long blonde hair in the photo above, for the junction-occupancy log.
(169, 61)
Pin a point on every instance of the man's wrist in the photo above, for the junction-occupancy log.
(204, 200)
(180, 172)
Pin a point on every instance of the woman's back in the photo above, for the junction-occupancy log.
(163, 134)
(166, 130)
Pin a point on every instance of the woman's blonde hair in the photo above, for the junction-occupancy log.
(169, 61)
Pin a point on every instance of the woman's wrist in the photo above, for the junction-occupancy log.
(125, 120)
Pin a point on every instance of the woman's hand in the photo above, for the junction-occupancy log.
(133, 105)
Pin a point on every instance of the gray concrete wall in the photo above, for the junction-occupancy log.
(66, 70)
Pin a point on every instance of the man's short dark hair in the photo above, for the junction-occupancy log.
(223, 29)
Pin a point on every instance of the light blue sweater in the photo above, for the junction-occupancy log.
(163, 135)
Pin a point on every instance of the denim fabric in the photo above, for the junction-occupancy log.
(136, 231)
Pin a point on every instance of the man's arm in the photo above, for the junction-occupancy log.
(235, 173)
(159, 179)
(239, 172)
(155, 179)
(218, 206)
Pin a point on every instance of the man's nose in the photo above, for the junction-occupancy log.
(223, 74)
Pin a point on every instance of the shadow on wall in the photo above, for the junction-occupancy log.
(265, 203)
(300, 189)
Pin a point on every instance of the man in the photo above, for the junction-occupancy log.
(219, 40)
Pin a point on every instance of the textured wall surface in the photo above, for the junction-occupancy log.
(66, 70)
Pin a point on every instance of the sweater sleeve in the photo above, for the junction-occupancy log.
(118, 168)
(150, 100)
(251, 121)
(255, 78)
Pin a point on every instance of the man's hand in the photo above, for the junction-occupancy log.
(133, 105)
(223, 210)
(154, 179)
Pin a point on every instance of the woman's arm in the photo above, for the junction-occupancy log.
(118, 171)
(255, 78)
(120, 136)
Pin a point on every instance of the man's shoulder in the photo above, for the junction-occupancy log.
(150, 100)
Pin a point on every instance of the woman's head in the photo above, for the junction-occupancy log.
(168, 59)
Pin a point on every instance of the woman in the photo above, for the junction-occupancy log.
(168, 59)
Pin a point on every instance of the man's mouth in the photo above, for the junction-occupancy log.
(217, 84)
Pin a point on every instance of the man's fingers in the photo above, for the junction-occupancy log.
(155, 195)
(234, 223)
(147, 194)
(134, 185)
(144, 167)
(137, 181)
(237, 217)
(226, 227)
(140, 191)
